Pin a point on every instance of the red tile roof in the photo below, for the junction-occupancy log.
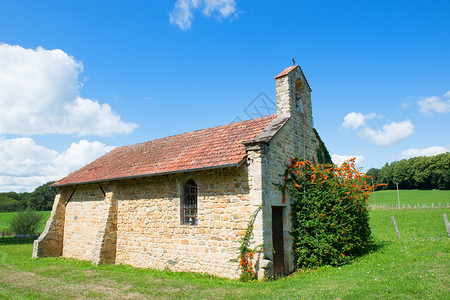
(286, 71)
(206, 148)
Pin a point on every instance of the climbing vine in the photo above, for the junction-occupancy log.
(323, 156)
(246, 254)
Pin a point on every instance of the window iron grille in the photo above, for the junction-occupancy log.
(190, 203)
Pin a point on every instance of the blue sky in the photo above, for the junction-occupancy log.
(80, 77)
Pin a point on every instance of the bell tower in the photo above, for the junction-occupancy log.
(294, 101)
(293, 92)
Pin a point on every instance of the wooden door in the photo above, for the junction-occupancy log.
(277, 238)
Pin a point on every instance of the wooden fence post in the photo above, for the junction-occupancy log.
(444, 215)
(395, 227)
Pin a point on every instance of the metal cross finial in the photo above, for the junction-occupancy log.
(293, 61)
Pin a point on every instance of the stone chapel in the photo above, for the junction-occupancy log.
(183, 202)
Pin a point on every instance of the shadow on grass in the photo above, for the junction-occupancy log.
(372, 248)
(376, 246)
(15, 241)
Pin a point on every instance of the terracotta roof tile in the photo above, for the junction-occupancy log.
(286, 71)
(206, 148)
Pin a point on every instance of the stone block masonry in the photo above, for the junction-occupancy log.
(50, 243)
(149, 229)
(84, 213)
(138, 222)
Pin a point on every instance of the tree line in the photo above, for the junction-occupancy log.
(40, 199)
(415, 173)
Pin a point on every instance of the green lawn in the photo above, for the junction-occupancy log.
(5, 217)
(411, 197)
(415, 267)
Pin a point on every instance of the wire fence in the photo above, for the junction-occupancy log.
(410, 206)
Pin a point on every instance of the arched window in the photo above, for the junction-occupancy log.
(189, 207)
(299, 90)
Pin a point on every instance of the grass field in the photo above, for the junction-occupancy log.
(415, 267)
(6, 217)
(411, 197)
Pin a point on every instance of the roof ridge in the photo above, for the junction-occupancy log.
(197, 130)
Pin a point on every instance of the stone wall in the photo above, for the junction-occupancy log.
(50, 243)
(149, 230)
(84, 212)
(147, 222)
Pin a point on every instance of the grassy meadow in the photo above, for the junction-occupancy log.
(411, 197)
(415, 267)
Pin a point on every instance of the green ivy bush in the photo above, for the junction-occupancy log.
(329, 212)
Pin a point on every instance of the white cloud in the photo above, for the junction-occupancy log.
(182, 13)
(430, 151)
(339, 159)
(78, 155)
(434, 104)
(355, 120)
(39, 94)
(220, 8)
(406, 105)
(391, 133)
(24, 165)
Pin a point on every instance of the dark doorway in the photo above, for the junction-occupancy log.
(277, 238)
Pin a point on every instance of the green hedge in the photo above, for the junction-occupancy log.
(329, 213)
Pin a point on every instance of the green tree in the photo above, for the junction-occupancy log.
(374, 173)
(440, 171)
(402, 174)
(11, 201)
(417, 172)
(385, 175)
(41, 198)
(422, 173)
(372, 176)
(25, 222)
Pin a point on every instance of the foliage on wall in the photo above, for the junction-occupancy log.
(246, 254)
(323, 156)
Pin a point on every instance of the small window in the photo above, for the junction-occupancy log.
(299, 91)
(189, 208)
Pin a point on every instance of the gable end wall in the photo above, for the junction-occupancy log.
(295, 138)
